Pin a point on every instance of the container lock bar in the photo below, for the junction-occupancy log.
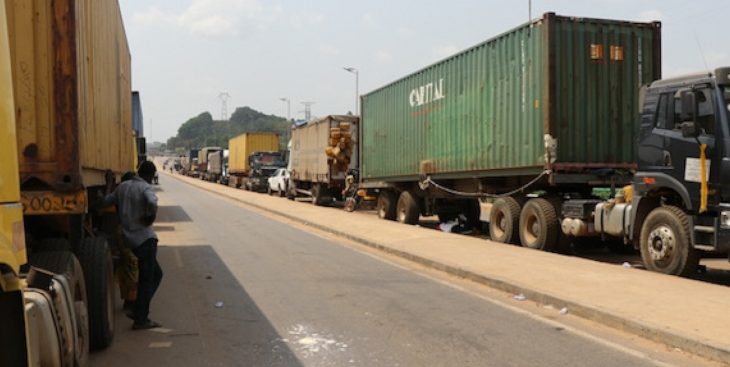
(425, 184)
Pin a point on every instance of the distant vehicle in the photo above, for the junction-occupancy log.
(253, 157)
(279, 181)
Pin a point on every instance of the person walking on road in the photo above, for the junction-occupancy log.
(137, 206)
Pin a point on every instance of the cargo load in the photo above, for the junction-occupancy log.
(558, 93)
(323, 151)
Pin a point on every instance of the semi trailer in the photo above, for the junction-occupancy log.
(540, 116)
(43, 308)
(203, 161)
(322, 152)
(74, 139)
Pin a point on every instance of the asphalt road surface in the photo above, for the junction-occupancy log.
(243, 289)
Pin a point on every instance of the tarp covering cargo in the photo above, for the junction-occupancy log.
(324, 149)
(559, 93)
(71, 79)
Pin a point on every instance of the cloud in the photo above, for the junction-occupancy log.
(208, 17)
(369, 21)
(306, 19)
(652, 15)
(383, 56)
(441, 52)
(329, 50)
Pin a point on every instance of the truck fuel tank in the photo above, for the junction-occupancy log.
(613, 218)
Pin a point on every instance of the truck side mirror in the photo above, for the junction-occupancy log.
(689, 104)
(689, 129)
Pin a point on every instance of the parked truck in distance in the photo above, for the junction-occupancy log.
(203, 161)
(189, 163)
(252, 158)
(322, 152)
(217, 161)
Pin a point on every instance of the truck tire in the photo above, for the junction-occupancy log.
(408, 210)
(386, 205)
(665, 242)
(95, 257)
(539, 225)
(504, 220)
(65, 263)
(52, 244)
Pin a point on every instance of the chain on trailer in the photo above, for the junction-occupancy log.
(429, 182)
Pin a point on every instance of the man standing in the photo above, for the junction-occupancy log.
(137, 208)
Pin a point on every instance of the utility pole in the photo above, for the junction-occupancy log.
(224, 105)
(308, 110)
(288, 107)
(357, 92)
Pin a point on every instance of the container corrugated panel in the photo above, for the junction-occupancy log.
(72, 81)
(308, 158)
(488, 110)
(9, 188)
(241, 146)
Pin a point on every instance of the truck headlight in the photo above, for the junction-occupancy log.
(725, 219)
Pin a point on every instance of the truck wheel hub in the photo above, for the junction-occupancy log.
(661, 243)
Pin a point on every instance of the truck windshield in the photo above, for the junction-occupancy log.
(270, 160)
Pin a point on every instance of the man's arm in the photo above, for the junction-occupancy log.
(150, 210)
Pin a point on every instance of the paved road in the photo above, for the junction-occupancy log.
(241, 289)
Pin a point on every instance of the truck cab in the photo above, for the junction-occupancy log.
(684, 125)
(262, 166)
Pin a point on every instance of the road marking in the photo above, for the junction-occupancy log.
(178, 258)
(155, 345)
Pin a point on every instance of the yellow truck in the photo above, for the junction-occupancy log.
(70, 68)
(43, 308)
(252, 158)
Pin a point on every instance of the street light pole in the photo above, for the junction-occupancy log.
(288, 107)
(357, 92)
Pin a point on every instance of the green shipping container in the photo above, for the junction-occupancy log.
(560, 93)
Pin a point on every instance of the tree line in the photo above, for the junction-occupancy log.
(203, 130)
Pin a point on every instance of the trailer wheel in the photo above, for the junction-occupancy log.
(504, 219)
(665, 243)
(408, 210)
(96, 260)
(386, 205)
(64, 262)
(52, 244)
(539, 225)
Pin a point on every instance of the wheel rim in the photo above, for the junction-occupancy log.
(531, 229)
(662, 242)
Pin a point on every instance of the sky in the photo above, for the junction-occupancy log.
(185, 53)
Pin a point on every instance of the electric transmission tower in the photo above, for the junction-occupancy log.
(224, 105)
(308, 110)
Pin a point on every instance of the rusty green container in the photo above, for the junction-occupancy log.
(559, 93)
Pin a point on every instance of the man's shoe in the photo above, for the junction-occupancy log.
(149, 324)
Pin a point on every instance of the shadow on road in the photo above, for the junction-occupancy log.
(212, 320)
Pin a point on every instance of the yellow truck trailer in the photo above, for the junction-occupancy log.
(240, 151)
(74, 136)
(44, 311)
